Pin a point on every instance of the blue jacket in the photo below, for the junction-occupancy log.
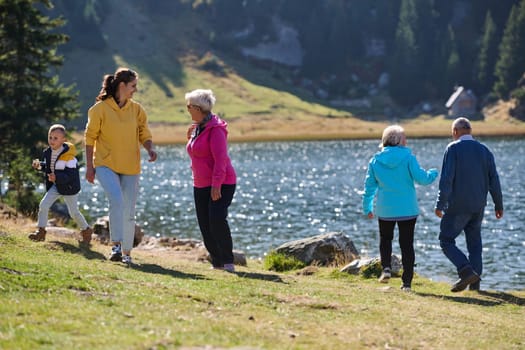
(66, 170)
(391, 174)
(467, 175)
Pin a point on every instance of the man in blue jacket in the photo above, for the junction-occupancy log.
(468, 174)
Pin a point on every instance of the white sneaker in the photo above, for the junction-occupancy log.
(126, 259)
(385, 275)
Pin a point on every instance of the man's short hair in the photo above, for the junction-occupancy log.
(462, 123)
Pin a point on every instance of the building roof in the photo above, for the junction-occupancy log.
(454, 96)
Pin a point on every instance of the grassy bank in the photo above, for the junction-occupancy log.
(54, 295)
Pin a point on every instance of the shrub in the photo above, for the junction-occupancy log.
(281, 262)
(372, 270)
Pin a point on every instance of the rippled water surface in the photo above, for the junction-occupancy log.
(292, 190)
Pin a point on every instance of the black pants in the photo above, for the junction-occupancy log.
(406, 243)
(213, 223)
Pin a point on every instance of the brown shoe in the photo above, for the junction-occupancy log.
(39, 235)
(86, 235)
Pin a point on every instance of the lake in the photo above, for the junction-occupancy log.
(293, 190)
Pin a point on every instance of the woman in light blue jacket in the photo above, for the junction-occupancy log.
(391, 175)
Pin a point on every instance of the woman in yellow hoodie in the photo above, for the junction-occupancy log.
(116, 127)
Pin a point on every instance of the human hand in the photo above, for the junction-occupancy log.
(370, 215)
(36, 164)
(215, 193)
(152, 155)
(499, 214)
(51, 177)
(90, 175)
(439, 213)
(189, 133)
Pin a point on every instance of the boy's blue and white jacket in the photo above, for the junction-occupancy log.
(66, 170)
(391, 175)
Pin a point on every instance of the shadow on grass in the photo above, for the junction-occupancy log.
(153, 268)
(504, 297)
(496, 298)
(149, 268)
(260, 276)
(85, 251)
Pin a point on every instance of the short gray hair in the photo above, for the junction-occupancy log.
(201, 98)
(392, 135)
(461, 123)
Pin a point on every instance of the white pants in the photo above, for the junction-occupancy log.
(72, 207)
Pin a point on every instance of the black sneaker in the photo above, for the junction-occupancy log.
(116, 253)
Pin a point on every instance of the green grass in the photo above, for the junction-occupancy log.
(54, 295)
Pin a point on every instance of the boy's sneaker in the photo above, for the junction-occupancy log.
(385, 275)
(85, 236)
(116, 253)
(126, 259)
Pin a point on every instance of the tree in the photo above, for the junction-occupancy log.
(487, 55)
(31, 97)
(405, 84)
(511, 65)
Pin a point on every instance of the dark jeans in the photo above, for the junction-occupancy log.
(451, 226)
(406, 243)
(213, 223)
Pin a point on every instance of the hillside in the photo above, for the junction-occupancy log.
(173, 55)
(55, 295)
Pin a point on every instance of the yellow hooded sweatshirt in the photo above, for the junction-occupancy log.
(116, 135)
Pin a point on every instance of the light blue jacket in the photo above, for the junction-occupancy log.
(391, 174)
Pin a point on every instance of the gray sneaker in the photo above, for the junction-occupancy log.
(229, 267)
(385, 275)
(406, 289)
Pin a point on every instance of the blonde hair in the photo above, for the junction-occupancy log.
(201, 98)
(392, 135)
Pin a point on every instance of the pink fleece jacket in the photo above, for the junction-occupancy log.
(210, 163)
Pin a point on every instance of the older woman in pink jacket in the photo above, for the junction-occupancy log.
(214, 178)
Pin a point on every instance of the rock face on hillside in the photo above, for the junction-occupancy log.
(286, 50)
(334, 248)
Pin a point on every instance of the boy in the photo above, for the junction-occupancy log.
(62, 180)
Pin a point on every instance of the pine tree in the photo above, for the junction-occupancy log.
(511, 63)
(487, 55)
(405, 84)
(31, 98)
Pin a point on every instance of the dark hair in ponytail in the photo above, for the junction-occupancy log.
(111, 81)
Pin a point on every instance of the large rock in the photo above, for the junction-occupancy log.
(333, 248)
(357, 265)
(101, 231)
